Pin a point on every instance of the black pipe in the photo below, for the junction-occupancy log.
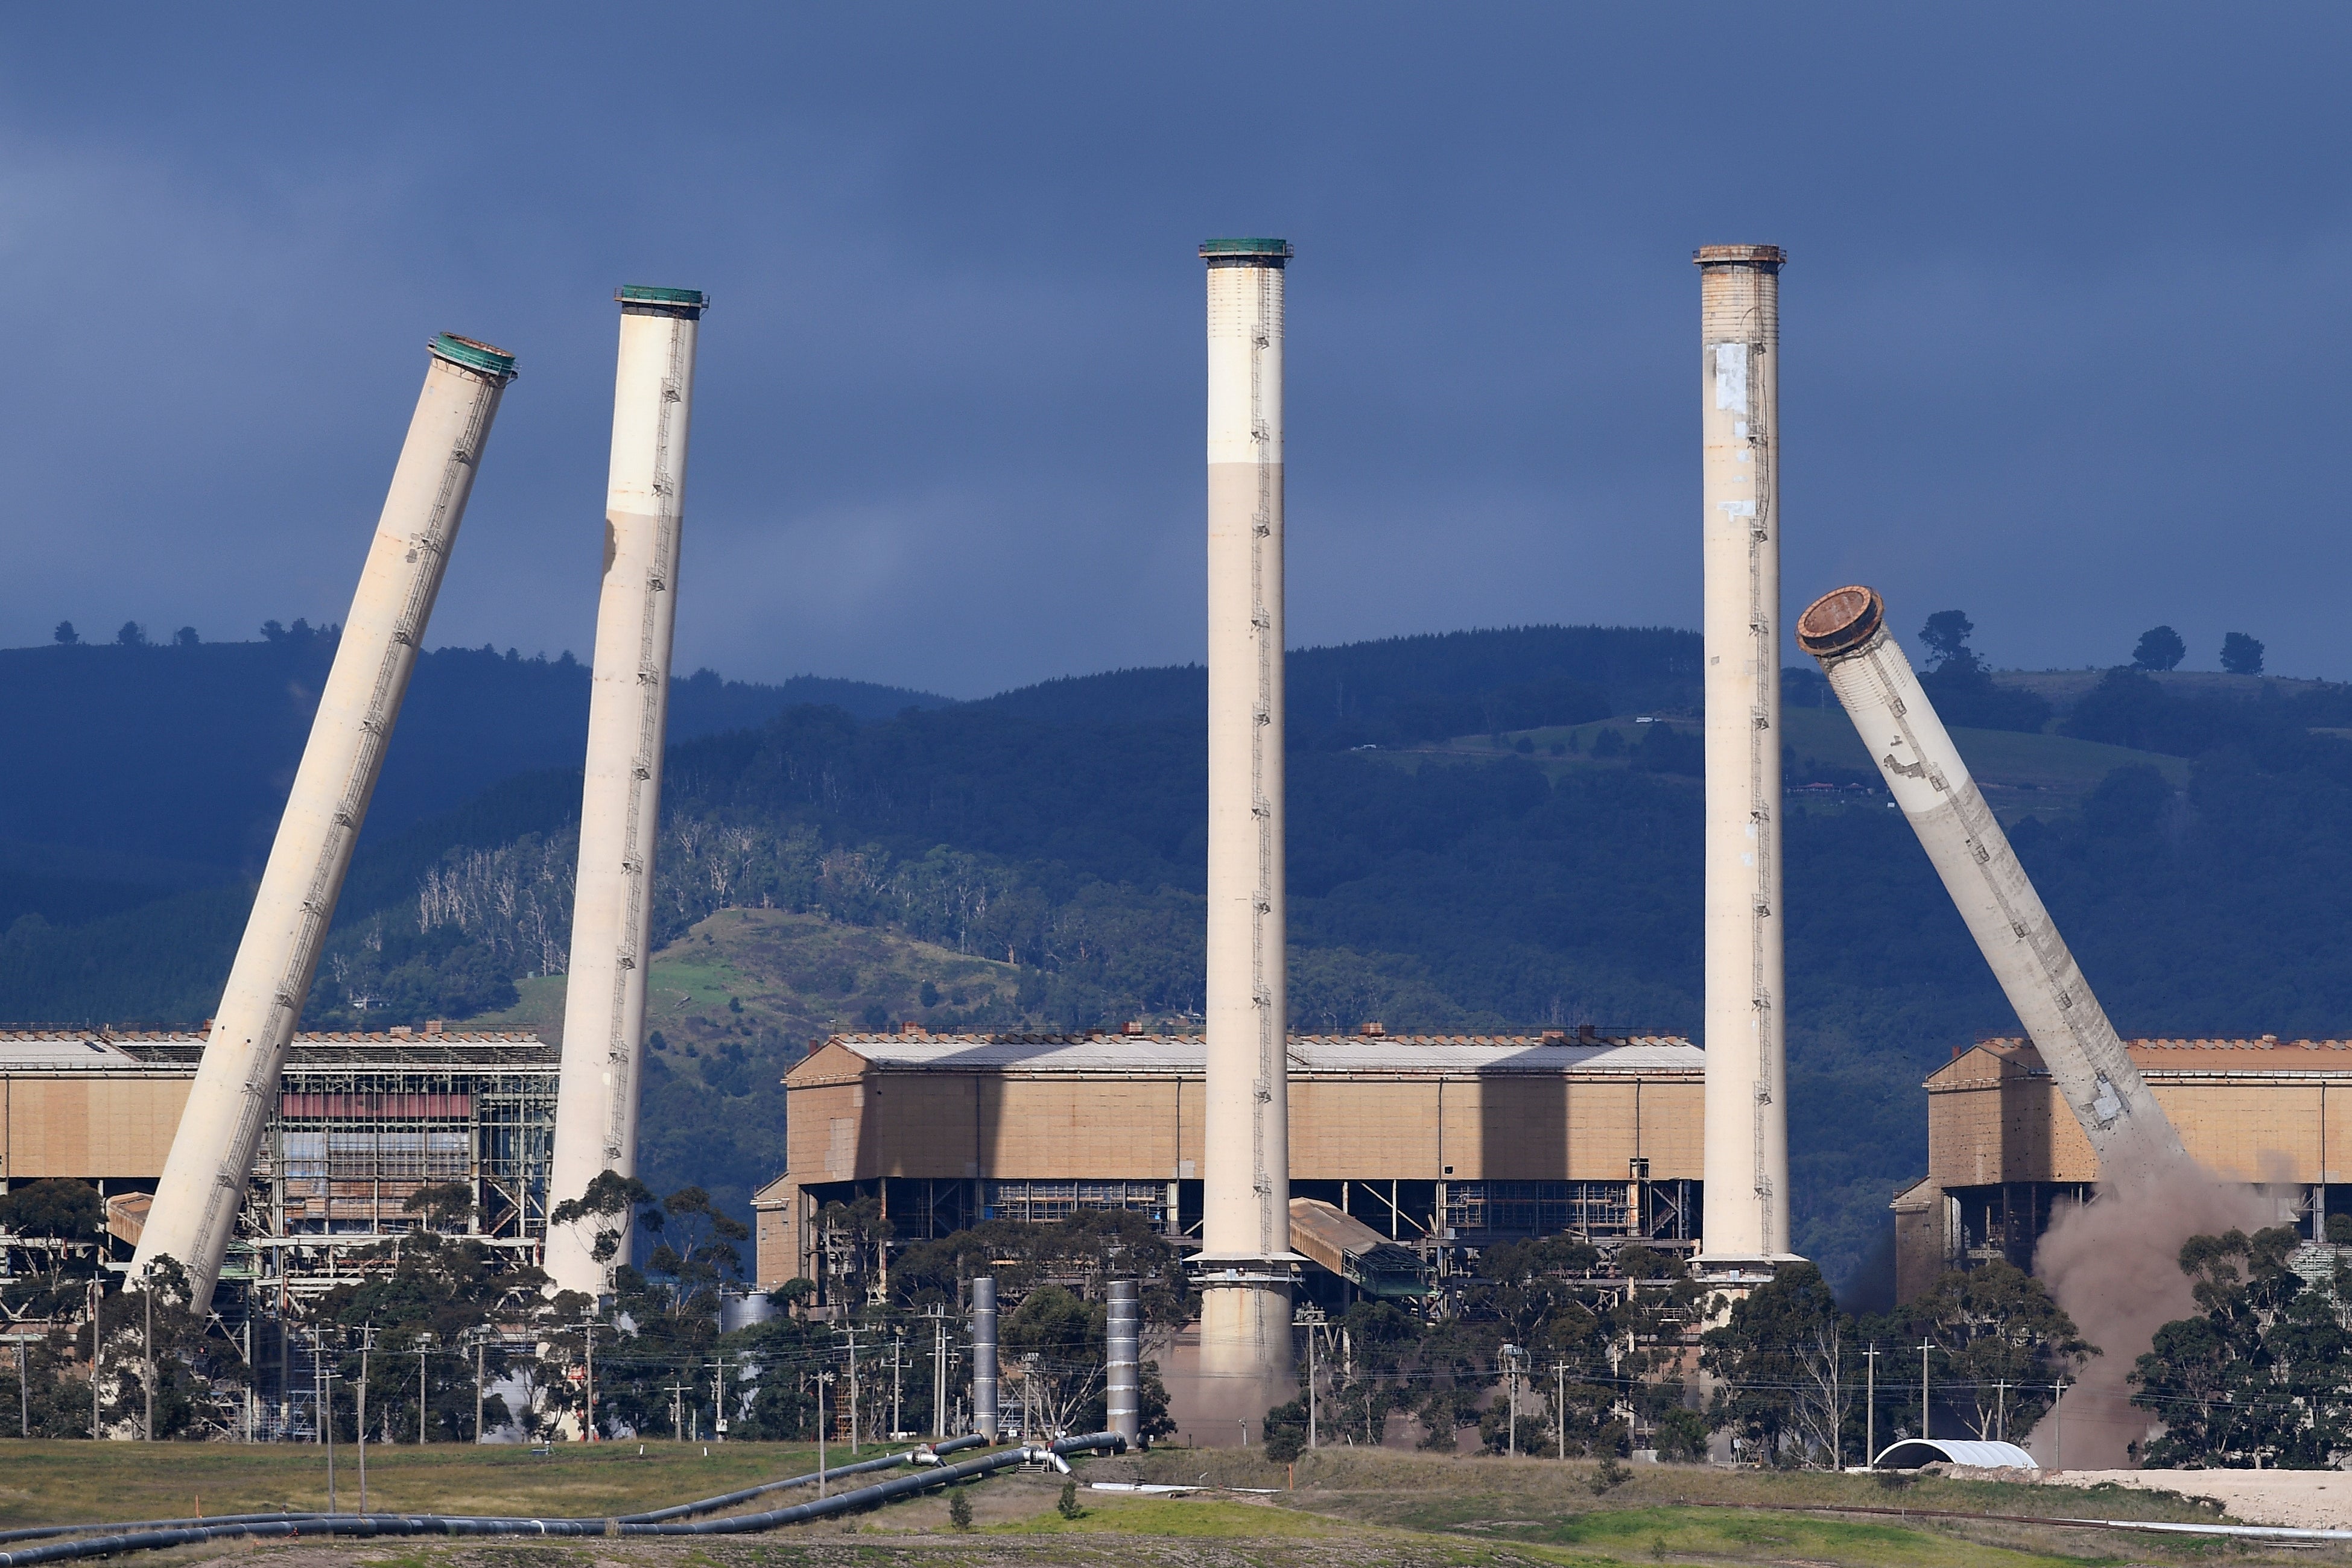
(680, 1510)
(460, 1524)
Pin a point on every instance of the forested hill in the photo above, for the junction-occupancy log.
(2198, 852)
(182, 753)
(1405, 689)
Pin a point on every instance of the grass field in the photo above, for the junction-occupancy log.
(54, 1483)
(794, 976)
(1333, 1510)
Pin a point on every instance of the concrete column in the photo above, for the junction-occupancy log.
(1747, 1203)
(205, 1177)
(1846, 630)
(1122, 1369)
(1245, 1175)
(620, 804)
(984, 1357)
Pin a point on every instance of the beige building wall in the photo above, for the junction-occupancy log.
(849, 1120)
(88, 1124)
(2251, 1110)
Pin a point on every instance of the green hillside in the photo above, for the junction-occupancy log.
(734, 1002)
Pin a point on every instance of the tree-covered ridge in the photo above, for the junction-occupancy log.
(180, 754)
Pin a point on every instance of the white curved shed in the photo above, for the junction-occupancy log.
(1913, 1452)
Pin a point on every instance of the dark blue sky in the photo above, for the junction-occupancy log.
(2063, 329)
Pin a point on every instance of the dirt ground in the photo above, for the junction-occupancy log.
(2303, 1500)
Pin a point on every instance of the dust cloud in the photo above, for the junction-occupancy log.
(2114, 1265)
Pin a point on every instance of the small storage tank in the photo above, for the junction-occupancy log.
(740, 1309)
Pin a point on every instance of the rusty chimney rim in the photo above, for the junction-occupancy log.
(1739, 256)
(1840, 621)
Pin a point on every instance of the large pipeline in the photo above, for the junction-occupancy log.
(1846, 630)
(137, 1539)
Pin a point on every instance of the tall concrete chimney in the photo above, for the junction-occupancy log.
(205, 1177)
(1846, 630)
(1244, 1260)
(1122, 1360)
(984, 1413)
(620, 804)
(1747, 1167)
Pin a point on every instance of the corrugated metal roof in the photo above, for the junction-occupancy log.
(2260, 1054)
(1910, 1453)
(1308, 1053)
(60, 1050)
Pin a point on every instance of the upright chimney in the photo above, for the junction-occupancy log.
(1244, 1262)
(620, 804)
(1846, 630)
(984, 1357)
(205, 1177)
(1747, 1165)
(1122, 1357)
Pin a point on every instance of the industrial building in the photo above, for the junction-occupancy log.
(2004, 1147)
(360, 1121)
(1439, 1144)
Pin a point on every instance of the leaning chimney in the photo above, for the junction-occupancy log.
(1747, 1165)
(1846, 630)
(620, 804)
(204, 1176)
(1244, 1260)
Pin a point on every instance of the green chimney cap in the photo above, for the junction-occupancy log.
(645, 294)
(1272, 249)
(474, 356)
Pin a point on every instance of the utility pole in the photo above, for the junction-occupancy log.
(1311, 1385)
(2001, 1411)
(719, 1397)
(1559, 1406)
(823, 1377)
(423, 1342)
(938, 1372)
(1511, 1394)
(2057, 1424)
(477, 1389)
(677, 1410)
(1870, 1408)
(1924, 1346)
(147, 1363)
(588, 1427)
(853, 1390)
(327, 1403)
(97, 1343)
(367, 1344)
(24, 1394)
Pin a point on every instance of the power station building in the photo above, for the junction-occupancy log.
(1432, 1144)
(2004, 1149)
(359, 1124)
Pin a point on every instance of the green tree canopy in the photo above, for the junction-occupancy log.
(2160, 648)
